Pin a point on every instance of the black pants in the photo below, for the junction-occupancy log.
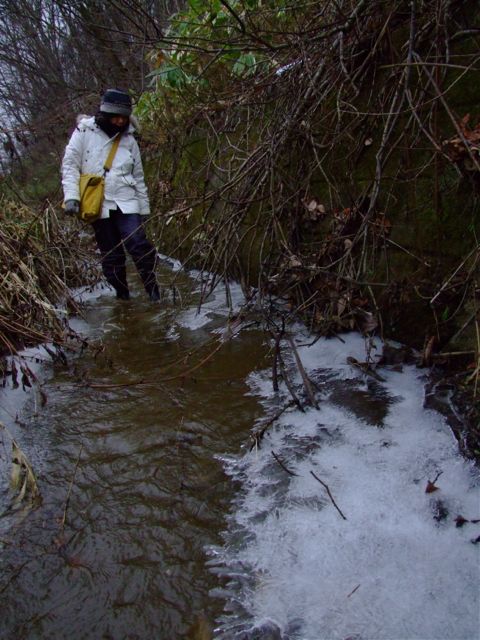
(125, 230)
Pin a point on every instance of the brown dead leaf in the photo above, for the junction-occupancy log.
(344, 214)
(341, 305)
(460, 521)
(22, 478)
(382, 224)
(455, 146)
(428, 350)
(431, 487)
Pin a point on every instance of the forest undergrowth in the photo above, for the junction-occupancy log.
(42, 261)
(326, 155)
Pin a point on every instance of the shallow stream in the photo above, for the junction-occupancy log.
(158, 520)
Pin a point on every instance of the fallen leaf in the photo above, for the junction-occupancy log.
(341, 305)
(427, 351)
(431, 487)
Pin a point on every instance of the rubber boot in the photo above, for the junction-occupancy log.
(153, 293)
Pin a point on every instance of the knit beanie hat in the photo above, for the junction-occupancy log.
(116, 102)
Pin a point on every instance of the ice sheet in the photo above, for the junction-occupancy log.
(398, 567)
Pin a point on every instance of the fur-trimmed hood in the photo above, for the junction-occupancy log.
(89, 121)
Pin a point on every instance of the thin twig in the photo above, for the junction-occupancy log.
(289, 385)
(301, 368)
(329, 493)
(283, 465)
(259, 433)
(67, 500)
(353, 591)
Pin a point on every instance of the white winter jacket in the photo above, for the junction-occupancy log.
(87, 152)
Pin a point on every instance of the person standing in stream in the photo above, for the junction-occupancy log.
(126, 205)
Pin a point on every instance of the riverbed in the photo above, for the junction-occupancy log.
(162, 516)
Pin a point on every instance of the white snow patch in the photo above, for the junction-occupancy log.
(215, 306)
(398, 567)
(171, 263)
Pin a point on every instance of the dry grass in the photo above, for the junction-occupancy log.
(41, 258)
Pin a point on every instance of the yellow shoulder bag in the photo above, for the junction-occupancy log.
(92, 188)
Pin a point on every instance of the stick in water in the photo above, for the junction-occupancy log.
(329, 493)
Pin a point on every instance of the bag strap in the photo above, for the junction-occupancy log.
(109, 161)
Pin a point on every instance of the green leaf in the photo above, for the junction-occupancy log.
(221, 19)
(245, 65)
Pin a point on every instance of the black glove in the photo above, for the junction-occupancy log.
(72, 207)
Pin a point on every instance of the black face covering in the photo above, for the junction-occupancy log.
(103, 120)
